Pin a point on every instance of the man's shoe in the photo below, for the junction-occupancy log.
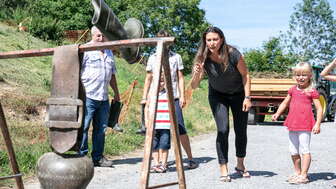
(141, 131)
(103, 162)
(117, 128)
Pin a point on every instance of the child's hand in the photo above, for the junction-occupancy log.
(275, 117)
(316, 129)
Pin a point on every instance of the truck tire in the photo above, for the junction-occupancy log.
(324, 103)
(252, 116)
(332, 111)
(261, 118)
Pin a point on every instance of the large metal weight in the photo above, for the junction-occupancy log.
(56, 171)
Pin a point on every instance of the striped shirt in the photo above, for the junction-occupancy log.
(96, 73)
(162, 120)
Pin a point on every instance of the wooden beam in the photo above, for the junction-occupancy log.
(89, 47)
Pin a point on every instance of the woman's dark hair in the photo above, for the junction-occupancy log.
(203, 51)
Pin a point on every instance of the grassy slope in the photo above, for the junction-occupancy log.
(25, 85)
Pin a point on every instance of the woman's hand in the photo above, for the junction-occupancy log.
(197, 75)
(247, 105)
(198, 68)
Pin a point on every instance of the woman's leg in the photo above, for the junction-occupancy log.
(240, 128)
(224, 169)
(221, 115)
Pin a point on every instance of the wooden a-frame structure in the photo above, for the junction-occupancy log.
(163, 62)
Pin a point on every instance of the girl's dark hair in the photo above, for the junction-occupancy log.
(203, 51)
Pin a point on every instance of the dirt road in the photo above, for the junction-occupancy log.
(268, 161)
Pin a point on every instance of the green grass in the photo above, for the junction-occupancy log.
(25, 86)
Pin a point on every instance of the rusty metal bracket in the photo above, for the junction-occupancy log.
(64, 102)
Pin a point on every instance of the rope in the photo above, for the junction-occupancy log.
(80, 38)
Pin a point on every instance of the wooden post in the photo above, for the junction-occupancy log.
(153, 95)
(10, 150)
(174, 127)
(162, 59)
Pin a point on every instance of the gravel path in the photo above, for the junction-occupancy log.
(268, 161)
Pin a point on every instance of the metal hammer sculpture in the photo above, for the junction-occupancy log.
(109, 25)
(65, 108)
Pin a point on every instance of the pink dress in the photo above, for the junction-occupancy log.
(300, 116)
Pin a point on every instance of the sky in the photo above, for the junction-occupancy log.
(248, 23)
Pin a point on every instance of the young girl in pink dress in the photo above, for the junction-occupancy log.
(300, 120)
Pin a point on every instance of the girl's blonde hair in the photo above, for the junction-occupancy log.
(305, 67)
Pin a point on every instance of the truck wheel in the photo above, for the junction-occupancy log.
(324, 103)
(261, 118)
(332, 111)
(252, 117)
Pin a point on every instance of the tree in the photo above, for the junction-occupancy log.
(270, 58)
(7, 7)
(312, 32)
(50, 18)
(182, 18)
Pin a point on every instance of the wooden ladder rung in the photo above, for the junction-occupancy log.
(163, 185)
(11, 176)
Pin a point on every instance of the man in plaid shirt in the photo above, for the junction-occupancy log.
(97, 73)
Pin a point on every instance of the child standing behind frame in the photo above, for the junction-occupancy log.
(161, 140)
(300, 120)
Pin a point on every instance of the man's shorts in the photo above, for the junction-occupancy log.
(179, 117)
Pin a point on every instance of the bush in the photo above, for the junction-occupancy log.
(46, 28)
(270, 58)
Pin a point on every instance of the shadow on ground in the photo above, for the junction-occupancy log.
(321, 176)
(127, 161)
(199, 160)
(254, 174)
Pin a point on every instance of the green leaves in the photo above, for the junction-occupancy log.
(270, 58)
(312, 32)
(182, 18)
